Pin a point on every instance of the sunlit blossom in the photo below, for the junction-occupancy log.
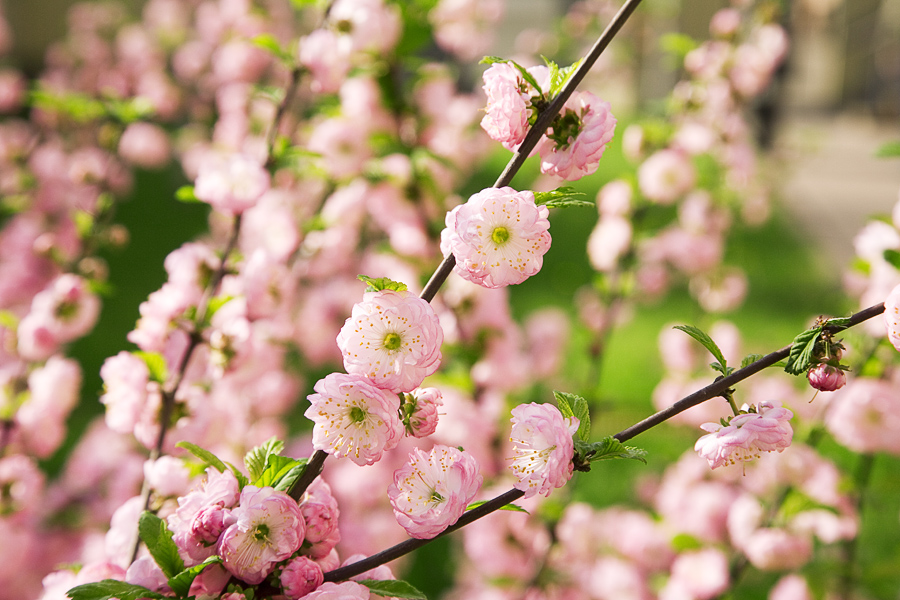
(542, 448)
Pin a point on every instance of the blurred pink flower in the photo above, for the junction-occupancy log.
(697, 574)
(432, 490)
(268, 529)
(543, 448)
(891, 316)
(300, 577)
(498, 237)
(64, 311)
(231, 183)
(466, 27)
(353, 418)
(327, 55)
(145, 145)
(865, 416)
(573, 148)
(665, 176)
(746, 436)
(125, 378)
(392, 338)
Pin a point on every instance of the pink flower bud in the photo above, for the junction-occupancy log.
(826, 378)
(300, 577)
(423, 419)
(210, 522)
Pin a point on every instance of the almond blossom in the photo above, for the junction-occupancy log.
(498, 237)
(421, 411)
(766, 428)
(891, 317)
(543, 448)
(393, 338)
(353, 418)
(509, 104)
(233, 183)
(572, 147)
(432, 491)
(268, 528)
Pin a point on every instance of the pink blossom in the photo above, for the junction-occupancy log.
(194, 528)
(54, 391)
(572, 148)
(725, 22)
(22, 484)
(465, 27)
(125, 379)
(826, 378)
(499, 237)
(353, 418)
(145, 145)
(665, 176)
(12, 90)
(372, 25)
(65, 310)
(746, 436)
(327, 55)
(432, 491)
(775, 549)
(343, 144)
(508, 104)
(891, 316)
(348, 590)
(393, 338)
(423, 411)
(791, 587)
(320, 512)
(699, 574)
(167, 475)
(231, 183)
(300, 577)
(268, 528)
(543, 448)
(609, 241)
(145, 572)
(865, 416)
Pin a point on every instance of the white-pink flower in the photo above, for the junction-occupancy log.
(233, 183)
(499, 237)
(348, 590)
(354, 418)
(393, 338)
(542, 448)
(432, 490)
(423, 412)
(508, 104)
(268, 528)
(666, 175)
(891, 316)
(572, 148)
(746, 435)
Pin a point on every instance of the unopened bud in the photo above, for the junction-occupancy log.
(826, 378)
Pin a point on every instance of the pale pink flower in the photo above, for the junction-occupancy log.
(865, 416)
(423, 414)
(608, 243)
(202, 515)
(746, 436)
(353, 418)
(125, 378)
(791, 587)
(432, 490)
(393, 338)
(54, 391)
(300, 577)
(725, 22)
(614, 199)
(327, 55)
(12, 90)
(231, 183)
(320, 512)
(826, 378)
(65, 310)
(465, 27)
(348, 590)
(543, 448)
(775, 549)
(665, 176)
(891, 317)
(498, 237)
(167, 475)
(508, 104)
(372, 25)
(268, 528)
(145, 145)
(572, 148)
(145, 572)
(23, 486)
(698, 574)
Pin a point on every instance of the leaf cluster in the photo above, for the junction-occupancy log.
(586, 452)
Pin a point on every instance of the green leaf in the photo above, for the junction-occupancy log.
(186, 194)
(215, 303)
(677, 44)
(705, 340)
(395, 588)
(683, 542)
(892, 257)
(889, 150)
(838, 322)
(277, 467)
(156, 364)
(562, 77)
(269, 42)
(287, 481)
(256, 459)
(158, 538)
(802, 348)
(564, 197)
(510, 506)
(181, 583)
(204, 455)
(111, 588)
(382, 283)
(575, 406)
(750, 359)
(490, 60)
(609, 448)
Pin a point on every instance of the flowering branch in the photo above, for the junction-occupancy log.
(545, 117)
(714, 390)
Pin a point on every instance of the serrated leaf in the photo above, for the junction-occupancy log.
(750, 359)
(512, 507)
(565, 74)
(889, 150)
(396, 588)
(382, 283)
(111, 588)
(204, 455)
(802, 348)
(181, 583)
(276, 468)
(838, 322)
(158, 538)
(706, 341)
(186, 194)
(576, 407)
(564, 197)
(256, 459)
(287, 481)
(156, 364)
(609, 448)
(490, 60)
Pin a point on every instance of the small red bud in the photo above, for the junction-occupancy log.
(826, 378)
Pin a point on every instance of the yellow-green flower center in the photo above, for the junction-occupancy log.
(357, 415)
(392, 341)
(500, 235)
(262, 533)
